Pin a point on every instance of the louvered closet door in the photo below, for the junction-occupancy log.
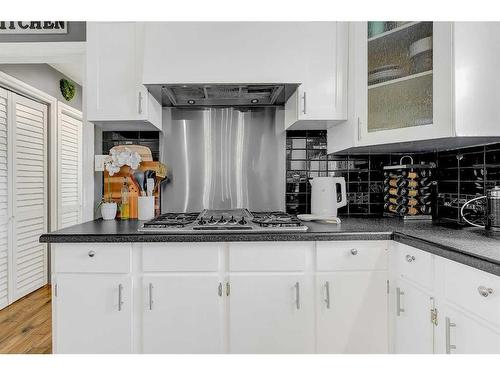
(29, 166)
(4, 209)
(69, 167)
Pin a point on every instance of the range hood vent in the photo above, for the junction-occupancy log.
(226, 95)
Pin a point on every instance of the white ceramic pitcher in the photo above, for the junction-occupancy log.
(324, 195)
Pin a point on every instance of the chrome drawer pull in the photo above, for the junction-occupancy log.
(484, 291)
(354, 251)
(151, 296)
(297, 295)
(410, 258)
(219, 290)
(399, 309)
(120, 300)
(449, 346)
(91, 253)
(327, 298)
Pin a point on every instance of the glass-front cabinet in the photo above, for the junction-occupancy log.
(403, 81)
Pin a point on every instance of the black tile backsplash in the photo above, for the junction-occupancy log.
(462, 174)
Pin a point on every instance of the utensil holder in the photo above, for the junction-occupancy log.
(146, 208)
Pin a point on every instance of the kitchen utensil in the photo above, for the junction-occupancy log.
(492, 209)
(139, 177)
(150, 185)
(324, 195)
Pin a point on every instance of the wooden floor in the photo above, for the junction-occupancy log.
(26, 325)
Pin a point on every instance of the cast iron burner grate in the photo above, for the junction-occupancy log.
(275, 219)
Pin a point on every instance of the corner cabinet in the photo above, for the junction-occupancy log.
(114, 89)
(419, 81)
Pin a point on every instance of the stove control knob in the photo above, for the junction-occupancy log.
(211, 220)
(202, 221)
(222, 220)
(242, 221)
(232, 220)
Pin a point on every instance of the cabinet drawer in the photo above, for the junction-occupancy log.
(414, 264)
(93, 257)
(268, 256)
(180, 257)
(473, 290)
(351, 255)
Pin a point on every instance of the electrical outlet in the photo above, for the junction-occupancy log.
(99, 163)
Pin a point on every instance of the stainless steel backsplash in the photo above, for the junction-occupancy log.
(224, 158)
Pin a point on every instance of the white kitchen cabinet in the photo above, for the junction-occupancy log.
(351, 312)
(270, 313)
(413, 328)
(460, 333)
(182, 314)
(453, 98)
(113, 84)
(92, 313)
(321, 99)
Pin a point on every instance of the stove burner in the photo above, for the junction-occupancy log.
(275, 219)
(224, 220)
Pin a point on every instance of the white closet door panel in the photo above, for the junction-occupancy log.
(4, 208)
(69, 167)
(29, 166)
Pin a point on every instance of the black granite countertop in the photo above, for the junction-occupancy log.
(472, 246)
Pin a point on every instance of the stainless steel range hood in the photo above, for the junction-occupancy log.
(222, 95)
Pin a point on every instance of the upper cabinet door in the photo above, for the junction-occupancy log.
(322, 96)
(114, 74)
(403, 81)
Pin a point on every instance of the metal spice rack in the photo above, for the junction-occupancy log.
(409, 190)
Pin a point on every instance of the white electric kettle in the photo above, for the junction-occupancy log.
(324, 196)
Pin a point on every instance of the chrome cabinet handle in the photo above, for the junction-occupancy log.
(304, 109)
(359, 129)
(139, 108)
(91, 253)
(228, 288)
(410, 258)
(399, 309)
(151, 296)
(449, 346)
(219, 290)
(120, 300)
(297, 295)
(327, 297)
(354, 251)
(484, 291)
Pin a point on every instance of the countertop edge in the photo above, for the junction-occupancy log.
(470, 259)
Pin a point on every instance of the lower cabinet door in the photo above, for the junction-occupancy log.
(93, 314)
(351, 312)
(463, 334)
(414, 331)
(182, 314)
(270, 314)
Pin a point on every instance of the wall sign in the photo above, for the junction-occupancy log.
(33, 27)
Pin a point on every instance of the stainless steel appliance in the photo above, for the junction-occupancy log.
(492, 218)
(214, 221)
(224, 158)
(201, 95)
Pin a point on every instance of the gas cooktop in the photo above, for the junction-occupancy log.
(235, 220)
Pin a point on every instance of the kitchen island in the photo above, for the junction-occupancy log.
(368, 285)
